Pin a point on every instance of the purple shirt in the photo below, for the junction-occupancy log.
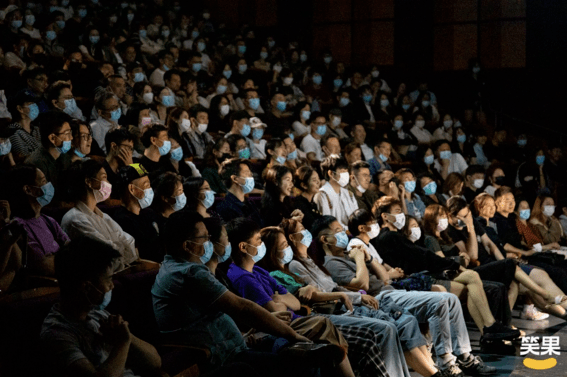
(257, 286)
(43, 238)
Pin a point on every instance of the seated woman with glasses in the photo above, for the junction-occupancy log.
(82, 139)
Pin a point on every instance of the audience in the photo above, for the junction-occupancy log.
(153, 131)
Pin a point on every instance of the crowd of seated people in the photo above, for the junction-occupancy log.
(303, 215)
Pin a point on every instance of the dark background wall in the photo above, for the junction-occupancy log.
(522, 44)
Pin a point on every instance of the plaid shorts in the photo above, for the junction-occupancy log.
(363, 352)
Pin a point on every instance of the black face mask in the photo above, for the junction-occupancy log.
(224, 157)
(500, 180)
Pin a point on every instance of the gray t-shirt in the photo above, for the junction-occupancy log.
(67, 340)
(343, 271)
(182, 295)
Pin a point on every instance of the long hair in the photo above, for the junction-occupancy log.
(17, 178)
(191, 188)
(290, 227)
(272, 190)
(271, 261)
(537, 212)
(431, 219)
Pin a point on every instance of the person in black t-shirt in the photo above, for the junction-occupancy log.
(134, 216)
(119, 146)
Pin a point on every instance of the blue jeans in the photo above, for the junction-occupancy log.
(443, 312)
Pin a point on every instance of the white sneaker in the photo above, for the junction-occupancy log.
(531, 313)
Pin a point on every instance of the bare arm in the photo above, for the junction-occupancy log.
(289, 300)
(379, 270)
(362, 278)
(143, 357)
(491, 247)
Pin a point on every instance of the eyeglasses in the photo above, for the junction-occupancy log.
(205, 238)
(66, 133)
(86, 137)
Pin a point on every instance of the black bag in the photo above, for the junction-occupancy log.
(547, 257)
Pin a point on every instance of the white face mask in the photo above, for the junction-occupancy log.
(224, 110)
(400, 220)
(420, 123)
(374, 231)
(202, 127)
(148, 98)
(361, 189)
(442, 224)
(343, 180)
(185, 125)
(415, 234)
(478, 183)
(336, 121)
(548, 210)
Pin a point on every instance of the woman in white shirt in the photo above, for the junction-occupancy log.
(422, 135)
(302, 115)
(447, 162)
(445, 131)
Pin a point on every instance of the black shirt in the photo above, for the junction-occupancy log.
(145, 230)
(398, 251)
(470, 194)
(309, 209)
(113, 179)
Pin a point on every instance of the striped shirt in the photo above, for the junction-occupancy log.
(24, 143)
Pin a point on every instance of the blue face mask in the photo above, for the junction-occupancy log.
(105, 300)
(70, 106)
(307, 238)
(425, 103)
(342, 240)
(428, 159)
(227, 74)
(227, 252)
(540, 160)
(525, 214)
(522, 142)
(116, 114)
(409, 186)
(321, 130)
(82, 13)
(143, 33)
(177, 154)
(194, 34)
(34, 111)
(167, 101)
(257, 133)
(344, 101)
(48, 193)
(242, 68)
(328, 59)
(209, 199)
(317, 80)
(79, 153)
(305, 114)
(430, 188)
(303, 57)
(94, 39)
(165, 148)
(280, 160)
(367, 98)
(180, 202)
(261, 252)
(165, 67)
(288, 256)
(291, 137)
(5, 147)
(148, 198)
(130, 17)
(244, 153)
(16, 24)
(398, 124)
(462, 138)
(445, 155)
(281, 105)
(245, 131)
(196, 67)
(263, 55)
(50, 35)
(139, 77)
(221, 89)
(201, 46)
(383, 158)
(406, 107)
(338, 83)
(254, 103)
(65, 147)
(292, 155)
(242, 49)
(248, 185)
(208, 246)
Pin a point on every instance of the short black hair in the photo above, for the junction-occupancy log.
(51, 122)
(474, 169)
(152, 131)
(233, 141)
(231, 167)
(191, 188)
(357, 218)
(164, 184)
(240, 229)
(238, 116)
(321, 224)
(78, 172)
(117, 136)
(196, 109)
(171, 72)
(333, 163)
(83, 259)
(179, 227)
(439, 143)
(55, 89)
(356, 166)
(214, 226)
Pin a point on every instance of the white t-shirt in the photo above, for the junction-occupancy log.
(441, 133)
(340, 205)
(299, 129)
(457, 164)
(258, 150)
(310, 144)
(369, 247)
(422, 135)
(156, 79)
(367, 152)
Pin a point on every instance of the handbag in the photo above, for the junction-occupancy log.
(419, 281)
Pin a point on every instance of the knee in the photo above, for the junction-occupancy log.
(438, 288)
(471, 276)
